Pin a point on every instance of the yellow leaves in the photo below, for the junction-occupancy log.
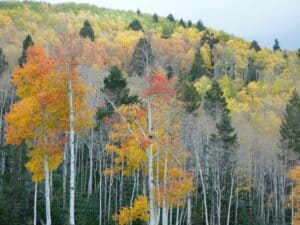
(139, 211)
(203, 85)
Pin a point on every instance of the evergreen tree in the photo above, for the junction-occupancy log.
(298, 53)
(276, 46)
(3, 62)
(215, 102)
(116, 90)
(290, 128)
(182, 23)
(198, 69)
(171, 18)
(167, 31)
(252, 71)
(87, 31)
(135, 25)
(142, 57)
(190, 23)
(155, 18)
(254, 45)
(188, 94)
(200, 26)
(26, 43)
(138, 11)
(210, 39)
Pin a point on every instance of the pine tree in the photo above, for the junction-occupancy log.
(252, 71)
(116, 90)
(138, 11)
(182, 23)
(3, 62)
(170, 71)
(276, 46)
(215, 102)
(254, 45)
(198, 69)
(142, 57)
(135, 25)
(200, 26)
(87, 31)
(298, 53)
(290, 128)
(155, 18)
(188, 94)
(190, 23)
(171, 18)
(26, 43)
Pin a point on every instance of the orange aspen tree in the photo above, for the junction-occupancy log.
(131, 140)
(38, 118)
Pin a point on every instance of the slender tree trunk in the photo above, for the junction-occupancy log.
(35, 201)
(91, 164)
(230, 199)
(100, 178)
(47, 191)
(177, 215)
(72, 156)
(65, 176)
(189, 211)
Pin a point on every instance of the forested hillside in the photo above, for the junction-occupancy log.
(121, 117)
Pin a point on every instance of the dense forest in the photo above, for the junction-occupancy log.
(122, 117)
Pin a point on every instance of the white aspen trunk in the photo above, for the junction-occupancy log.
(65, 176)
(171, 215)
(189, 211)
(177, 215)
(236, 208)
(203, 187)
(150, 166)
(34, 206)
(230, 199)
(100, 180)
(72, 156)
(47, 191)
(110, 186)
(165, 209)
(90, 184)
(293, 212)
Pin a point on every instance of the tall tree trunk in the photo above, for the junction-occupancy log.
(91, 164)
(230, 199)
(35, 200)
(65, 164)
(47, 191)
(72, 156)
(189, 211)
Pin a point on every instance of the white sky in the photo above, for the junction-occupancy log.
(262, 20)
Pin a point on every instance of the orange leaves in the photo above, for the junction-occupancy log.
(139, 211)
(39, 118)
(160, 85)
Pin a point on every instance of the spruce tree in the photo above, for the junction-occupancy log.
(171, 18)
(142, 57)
(200, 26)
(198, 68)
(254, 45)
(214, 101)
(169, 71)
(26, 43)
(3, 62)
(116, 91)
(252, 71)
(276, 46)
(182, 23)
(135, 25)
(290, 128)
(298, 53)
(188, 94)
(155, 18)
(138, 11)
(87, 31)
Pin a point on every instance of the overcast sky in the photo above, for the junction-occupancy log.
(262, 20)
